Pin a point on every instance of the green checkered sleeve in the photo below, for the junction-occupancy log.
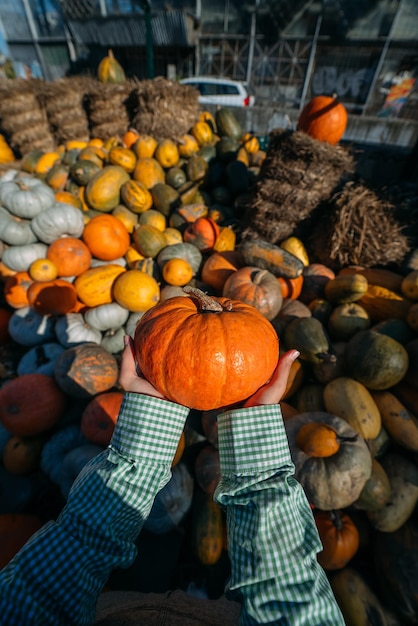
(58, 575)
(272, 535)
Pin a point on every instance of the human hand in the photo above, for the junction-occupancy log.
(130, 378)
(272, 392)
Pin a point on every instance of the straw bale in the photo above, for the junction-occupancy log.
(164, 108)
(107, 130)
(357, 227)
(25, 119)
(297, 175)
(17, 96)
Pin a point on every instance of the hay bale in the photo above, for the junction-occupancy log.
(297, 175)
(357, 227)
(164, 108)
(63, 100)
(23, 116)
(108, 109)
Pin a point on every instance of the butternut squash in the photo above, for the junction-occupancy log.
(400, 423)
(351, 401)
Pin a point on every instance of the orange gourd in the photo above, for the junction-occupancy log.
(94, 286)
(110, 70)
(118, 155)
(52, 297)
(167, 153)
(99, 417)
(130, 137)
(291, 287)
(149, 172)
(136, 290)
(339, 537)
(70, 256)
(317, 439)
(106, 237)
(136, 196)
(16, 288)
(202, 132)
(145, 146)
(203, 233)
(188, 349)
(256, 287)
(218, 267)
(177, 272)
(43, 270)
(324, 118)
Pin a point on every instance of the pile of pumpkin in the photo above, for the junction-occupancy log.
(96, 234)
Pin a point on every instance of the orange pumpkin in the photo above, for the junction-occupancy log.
(291, 287)
(130, 137)
(218, 267)
(30, 404)
(177, 272)
(85, 370)
(186, 353)
(136, 290)
(167, 153)
(324, 118)
(339, 537)
(318, 439)
(106, 237)
(70, 256)
(16, 290)
(52, 297)
(203, 233)
(99, 417)
(188, 145)
(15, 530)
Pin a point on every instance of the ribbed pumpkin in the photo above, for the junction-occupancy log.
(86, 370)
(99, 417)
(136, 196)
(339, 537)
(202, 132)
(256, 287)
(106, 237)
(136, 291)
(110, 71)
(103, 190)
(188, 145)
(190, 356)
(203, 233)
(30, 404)
(149, 172)
(324, 118)
(70, 256)
(94, 286)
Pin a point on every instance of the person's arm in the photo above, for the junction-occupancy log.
(272, 536)
(58, 575)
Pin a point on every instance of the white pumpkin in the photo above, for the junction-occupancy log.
(106, 316)
(98, 263)
(26, 196)
(15, 231)
(113, 340)
(72, 329)
(19, 258)
(29, 328)
(133, 320)
(60, 220)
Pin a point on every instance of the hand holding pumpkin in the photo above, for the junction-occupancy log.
(129, 377)
(273, 391)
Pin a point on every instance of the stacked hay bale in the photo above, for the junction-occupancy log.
(297, 175)
(23, 118)
(63, 101)
(164, 108)
(108, 108)
(357, 227)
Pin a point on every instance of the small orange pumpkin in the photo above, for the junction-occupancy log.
(291, 287)
(166, 349)
(256, 287)
(177, 272)
(324, 118)
(99, 417)
(130, 137)
(136, 291)
(203, 233)
(106, 237)
(16, 290)
(339, 537)
(317, 439)
(70, 256)
(145, 146)
(43, 270)
(124, 157)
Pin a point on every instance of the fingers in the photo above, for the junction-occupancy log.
(127, 369)
(274, 390)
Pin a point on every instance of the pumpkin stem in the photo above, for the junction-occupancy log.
(336, 520)
(205, 302)
(326, 356)
(258, 276)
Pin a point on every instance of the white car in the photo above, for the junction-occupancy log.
(222, 91)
